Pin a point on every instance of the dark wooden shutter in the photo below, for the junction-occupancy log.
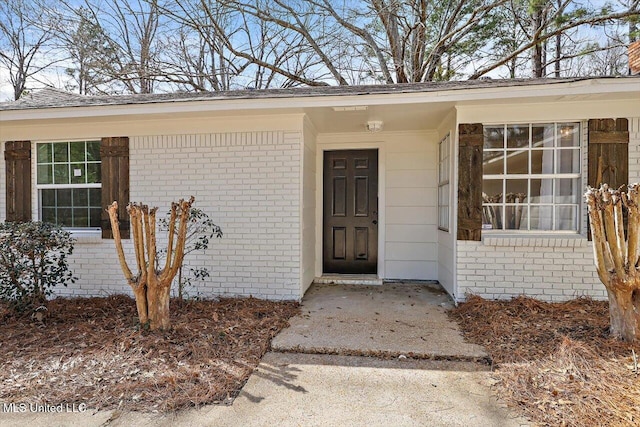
(17, 156)
(114, 154)
(608, 153)
(471, 139)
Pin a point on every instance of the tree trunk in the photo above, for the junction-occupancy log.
(617, 254)
(152, 287)
(624, 312)
(140, 294)
(158, 300)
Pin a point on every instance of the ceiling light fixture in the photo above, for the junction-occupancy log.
(374, 125)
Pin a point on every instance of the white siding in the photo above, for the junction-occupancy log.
(308, 198)
(411, 203)
(247, 182)
(547, 267)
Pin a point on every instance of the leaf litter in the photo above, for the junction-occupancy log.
(92, 351)
(556, 362)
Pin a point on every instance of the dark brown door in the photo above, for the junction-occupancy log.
(350, 212)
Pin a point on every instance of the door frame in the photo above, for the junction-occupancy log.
(364, 145)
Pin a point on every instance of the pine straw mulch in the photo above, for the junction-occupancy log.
(556, 361)
(91, 351)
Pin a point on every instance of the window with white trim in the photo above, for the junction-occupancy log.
(69, 183)
(443, 183)
(531, 177)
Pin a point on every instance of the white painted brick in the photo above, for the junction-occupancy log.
(227, 173)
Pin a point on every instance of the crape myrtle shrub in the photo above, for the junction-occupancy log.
(33, 260)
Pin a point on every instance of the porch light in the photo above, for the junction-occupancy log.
(374, 125)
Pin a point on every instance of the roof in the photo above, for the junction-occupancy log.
(53, 98)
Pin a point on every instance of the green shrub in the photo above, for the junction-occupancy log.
(33, 260)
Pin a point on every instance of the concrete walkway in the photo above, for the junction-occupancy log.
(290, 388)
(327, 390)
(393, 319)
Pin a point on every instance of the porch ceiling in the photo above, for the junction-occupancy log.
(395, 117)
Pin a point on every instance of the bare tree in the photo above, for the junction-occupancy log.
(132, 30)
(24, 44)
(617, 256)
(551, 19)
(151, 286)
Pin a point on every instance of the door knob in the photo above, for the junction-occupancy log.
(375, 221)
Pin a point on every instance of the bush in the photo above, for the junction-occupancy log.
(33, 260)
(200, 230)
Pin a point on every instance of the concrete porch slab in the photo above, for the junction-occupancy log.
(389, 320)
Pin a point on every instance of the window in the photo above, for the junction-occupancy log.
(443, 184)
(531, 177)
(69, 183)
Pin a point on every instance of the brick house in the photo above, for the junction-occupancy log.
(475, 184)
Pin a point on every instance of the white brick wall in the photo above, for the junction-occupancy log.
(549, 268)
(248, 183)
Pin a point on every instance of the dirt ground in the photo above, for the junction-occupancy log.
(91, 351)
(556, 362)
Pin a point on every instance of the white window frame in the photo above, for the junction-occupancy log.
(39, 187)
(529, 176)
(444, 181)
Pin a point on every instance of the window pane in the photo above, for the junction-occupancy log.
(493, 162)
(517, 136)
(94, 217)
(45, 175)
(64, 198)
(94, 173)
(78, 174)
(95, 197)
(77, 151)
(515, 217)
(81, 217)
(80, 197)
(541, 161)
(566, 218)
(60, 152)
(93, 151)
(64, 217)
(542, 135)
(492, 217)
(541, 217)
(492, 188)
(518, 162)
(541, 191)
(49, 215)
(568, 161)
(493, 136)
(568, 135)
(44, 153)
(48, 198)
(567, 191)
(61, 174)
(516, 188)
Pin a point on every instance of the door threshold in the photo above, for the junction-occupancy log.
(349, 279)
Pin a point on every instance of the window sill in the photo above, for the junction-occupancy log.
(86, 237)
(537, 240)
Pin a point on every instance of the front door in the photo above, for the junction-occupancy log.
(350, 242)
